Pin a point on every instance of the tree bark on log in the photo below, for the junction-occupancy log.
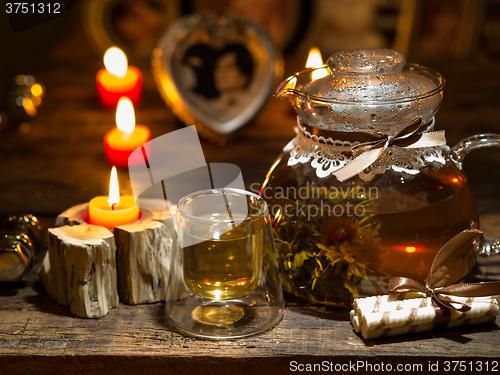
(75, 215)
(79, 269)
(142, 258)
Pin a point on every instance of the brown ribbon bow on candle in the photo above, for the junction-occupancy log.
(404, 284)
(409, 136)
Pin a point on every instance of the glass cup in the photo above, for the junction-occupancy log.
(224, 280)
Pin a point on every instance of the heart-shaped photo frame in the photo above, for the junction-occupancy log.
(216, 73)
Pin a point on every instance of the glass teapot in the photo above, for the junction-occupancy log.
(367, 188)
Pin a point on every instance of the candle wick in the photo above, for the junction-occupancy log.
(113, 206)
(126, 136)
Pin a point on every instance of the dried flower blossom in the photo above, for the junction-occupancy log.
(327, 250)
(337, 230)
(356, 257)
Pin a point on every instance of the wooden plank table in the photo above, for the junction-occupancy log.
(38, 334)
(60, 162)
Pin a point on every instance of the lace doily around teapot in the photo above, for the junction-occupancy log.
(326, 155)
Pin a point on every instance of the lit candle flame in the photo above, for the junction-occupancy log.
(125, 116)
(115, 62)
(314, 60)
(114, 190)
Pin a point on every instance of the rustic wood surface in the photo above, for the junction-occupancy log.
(60, 162)
(36, 332)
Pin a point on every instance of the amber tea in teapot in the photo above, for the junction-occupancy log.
(367, 188)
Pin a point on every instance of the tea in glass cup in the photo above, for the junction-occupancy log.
(227, 265)
(224, 273)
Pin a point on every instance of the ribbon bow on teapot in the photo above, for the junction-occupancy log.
(409, 136)
(404, 284)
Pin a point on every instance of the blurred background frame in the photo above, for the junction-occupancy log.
(448, 28)
(133, 25)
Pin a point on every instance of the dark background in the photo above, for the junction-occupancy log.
(55, 160)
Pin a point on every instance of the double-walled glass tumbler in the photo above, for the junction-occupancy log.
(224, 280)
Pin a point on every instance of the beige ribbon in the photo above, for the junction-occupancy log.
(409, 136)
(404, 284)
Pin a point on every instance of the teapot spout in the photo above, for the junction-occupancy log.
(287, 89)
(298, 90)
(294, 86)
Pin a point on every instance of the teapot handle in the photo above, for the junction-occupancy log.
(473, 143)
(488, 247)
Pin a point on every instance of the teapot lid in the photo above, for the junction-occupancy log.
(365, 89)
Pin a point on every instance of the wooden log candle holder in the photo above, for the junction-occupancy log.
(87, 266)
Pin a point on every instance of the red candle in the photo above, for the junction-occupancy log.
(118, 79)
(126, 137)
(113, 210)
